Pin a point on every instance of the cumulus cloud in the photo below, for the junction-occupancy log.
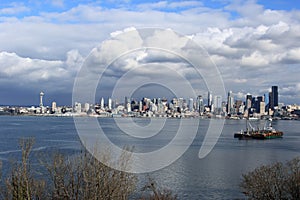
(253, 47)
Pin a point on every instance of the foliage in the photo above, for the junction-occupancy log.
(21, 184)
(155, 193)
(276, 181)
(80, 177)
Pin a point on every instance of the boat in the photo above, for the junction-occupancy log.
(268, 132)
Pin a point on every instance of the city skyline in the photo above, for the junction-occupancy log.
(253, 43)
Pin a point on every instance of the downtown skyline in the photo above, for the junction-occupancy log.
(254, 44)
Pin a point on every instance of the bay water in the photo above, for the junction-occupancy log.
(216, 176)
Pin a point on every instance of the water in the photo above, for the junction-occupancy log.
(217, 176)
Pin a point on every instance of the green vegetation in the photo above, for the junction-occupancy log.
(81, 177)
(276, 181)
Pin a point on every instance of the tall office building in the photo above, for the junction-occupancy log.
(191, 104)
(200, 105)
(273, 97)
(126, 101)
(102, 103)
(86, 107)
(209, 99)
(248, 101)
(267, 101)
(230, 103)
(53, 107)
(217, 104)
(258, 105)
(109, 103)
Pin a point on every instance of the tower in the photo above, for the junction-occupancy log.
(209, 99)
(274, 97)
(102, 103)
(230, 102)
(41, 99)
(200, 105)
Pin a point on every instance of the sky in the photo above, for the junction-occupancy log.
(254, 44)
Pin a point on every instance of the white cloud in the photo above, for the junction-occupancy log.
(58, 3)
(256, 44)
(14, 8)
(256, 59)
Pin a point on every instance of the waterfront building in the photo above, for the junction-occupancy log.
(86, 107)
(77, 107)
(140, 106)
(128, 107)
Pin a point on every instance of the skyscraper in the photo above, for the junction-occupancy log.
(102, 103)
(274, 97)
(267, 101)
(230, 103)
(209, 99)
(191, 104)
(217, 104)
(200, 105)
(109, 103)
(248, 101)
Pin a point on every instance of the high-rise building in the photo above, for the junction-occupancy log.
(262, 106)
(200, 105)
(191, 104)
(86, 107)
(267, 101)
(209, 99)
(230, 103)
(248, 101)
(77, 107)
(238, 105)
(102, 103)
(258, 105)
(126, 101)
(53, 108)
(217, 105)
(274, 97)
(109, 103)
(140, 106)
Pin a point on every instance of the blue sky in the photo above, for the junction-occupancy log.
(255, 44)
(34, 7)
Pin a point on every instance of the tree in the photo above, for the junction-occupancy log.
(275, 181)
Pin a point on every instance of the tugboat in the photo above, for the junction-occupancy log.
(268, 132)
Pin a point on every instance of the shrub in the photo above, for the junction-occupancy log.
(80, 177)
(276, 181)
